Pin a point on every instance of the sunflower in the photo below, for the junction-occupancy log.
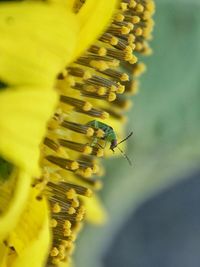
(51, 89)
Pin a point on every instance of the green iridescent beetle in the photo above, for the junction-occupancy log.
(109, 136)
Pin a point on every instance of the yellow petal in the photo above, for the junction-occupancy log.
(24, 114)
(31, 238)
(37, 41)
(9, 218)
(95, 212)
(3, 254)
(93, 17)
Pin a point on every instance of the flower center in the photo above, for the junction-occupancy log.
(90, 89)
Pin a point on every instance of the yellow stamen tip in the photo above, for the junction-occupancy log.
(54, 252)
(87, 150)
(67, 232)
(74, 165)
(101, 90)
(100, 152)
(124, 77)
(53, 223)
(96, 168)
(124, 6)
(100, 133)
(112, 96)
(67, 224)
(120, 89)
(71, 210)
(114, 40)
(139, 8)
(75, 203)
(90, 132)
(88, 193)
(71, 193)
(133, 60)
(102, 51)
(87, 75)
(119, 17)
(138, 32)
(132, 4)
(135, 19)
(104, 115)
(56, 208)
(125, 30)
(87, 106)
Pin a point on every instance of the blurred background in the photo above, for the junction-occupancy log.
(153, 206)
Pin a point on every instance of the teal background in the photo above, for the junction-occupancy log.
(166, 124)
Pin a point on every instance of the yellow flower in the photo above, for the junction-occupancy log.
(41, 41)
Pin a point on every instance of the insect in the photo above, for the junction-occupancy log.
(109, 136)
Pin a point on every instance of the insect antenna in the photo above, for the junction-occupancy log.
(125, 138)
(125, 156)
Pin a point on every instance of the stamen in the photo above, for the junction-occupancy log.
(63, 163)
(90, 88)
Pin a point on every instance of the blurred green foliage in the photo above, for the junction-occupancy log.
(166, 124)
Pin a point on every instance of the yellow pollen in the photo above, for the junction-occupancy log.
(133, 60)
(104, 115)
(130, 26)
(139, 8)
(112, 96)
(67, 243)
(138, 32)
(56, 208)
(132, 4)
(54, 252)
(150, 7)
(88, 192)
(124, 6)
(135, 19)
(71, 193)
(113, 88)
(67, 224)
(87, 75)
(102, 51)
(75, 203)
(100, 152)
(90, 132)
(131, 38)
(74, 165)
(96, 168)
(146, 15)
(119, 17)
(138, 46)
(101, 90)
(125, 30)
(100, 65)
(88, 172)
(124, 77)
(100, 133)
(67, 232)
(71, 210)
(114, 40)
(87, 150)
(141, 67)
(128, 49)
(61, 255)
(121, 89)
(53, 223)
(87, 106)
